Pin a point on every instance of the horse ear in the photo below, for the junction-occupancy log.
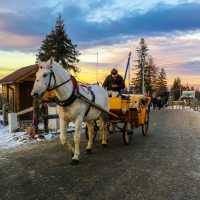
(37, 62)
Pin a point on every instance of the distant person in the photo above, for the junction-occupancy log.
(154, 102)
(159, 103)
(114, 82)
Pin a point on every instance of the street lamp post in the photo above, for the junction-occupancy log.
(97, 65)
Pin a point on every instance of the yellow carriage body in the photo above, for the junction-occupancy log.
(140, 102)
(136, 105)
(117, 103)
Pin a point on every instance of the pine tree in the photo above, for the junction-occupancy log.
(59, 46)
(162, 83)
(176, 89)
(141, 62)
(150, 76)
(137, 81)
(150, 70)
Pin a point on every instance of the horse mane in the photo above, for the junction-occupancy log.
(61, 71)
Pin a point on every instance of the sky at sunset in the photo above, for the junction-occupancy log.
(112, 28)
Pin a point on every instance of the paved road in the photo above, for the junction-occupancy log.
(163, 166)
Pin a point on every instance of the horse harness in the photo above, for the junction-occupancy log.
(75, 92)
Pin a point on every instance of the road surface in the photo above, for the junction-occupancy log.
(165, 165)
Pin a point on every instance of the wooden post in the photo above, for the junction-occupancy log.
(5, 113)
(35, 119)
(12, 122)
(44, 112)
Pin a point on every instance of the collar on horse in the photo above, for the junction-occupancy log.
(73, 95)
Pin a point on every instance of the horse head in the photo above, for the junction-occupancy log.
(44, 79)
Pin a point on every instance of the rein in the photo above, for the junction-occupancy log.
(54, 85)
(73, 95)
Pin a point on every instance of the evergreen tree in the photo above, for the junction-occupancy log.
(150, 76)
(162, 83)
(59, 46)
(137, 81)
(150, 70)
(141, 62)
(176, 89)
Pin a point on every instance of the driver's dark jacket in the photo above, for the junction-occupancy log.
(114, 84)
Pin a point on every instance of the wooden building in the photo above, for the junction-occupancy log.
(17, 86)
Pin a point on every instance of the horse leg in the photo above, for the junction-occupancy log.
(75, 158)
(90, 126)
(63, 135)
(103, 131)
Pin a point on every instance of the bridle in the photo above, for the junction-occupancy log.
(52, 76)
(75, 92)
(73, 95)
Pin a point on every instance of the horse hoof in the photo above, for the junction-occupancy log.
(104, 145)
(89, 151)
(74, 162)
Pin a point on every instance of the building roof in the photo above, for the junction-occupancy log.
(19, 74)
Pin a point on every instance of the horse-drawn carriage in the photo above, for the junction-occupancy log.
(127, 112)
(79, 104)
(132, 111)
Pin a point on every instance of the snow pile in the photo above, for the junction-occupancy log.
(8, 140)
(13, 140)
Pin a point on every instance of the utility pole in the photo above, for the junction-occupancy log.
(128, 70)
(97, 66)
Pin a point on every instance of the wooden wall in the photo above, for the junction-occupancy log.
(17, 95)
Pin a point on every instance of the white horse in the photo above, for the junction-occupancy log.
(52, 76)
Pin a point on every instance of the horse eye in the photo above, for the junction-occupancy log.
(44, 75)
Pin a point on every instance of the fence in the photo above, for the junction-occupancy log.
(195, 106)
(46, 121)
(183, 105)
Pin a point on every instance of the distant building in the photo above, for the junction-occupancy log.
(188, 94)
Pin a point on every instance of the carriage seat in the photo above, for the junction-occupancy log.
(137, 101)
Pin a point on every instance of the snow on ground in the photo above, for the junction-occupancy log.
(8, 140)
(13, 140)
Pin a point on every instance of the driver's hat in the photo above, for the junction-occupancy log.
(114, 71)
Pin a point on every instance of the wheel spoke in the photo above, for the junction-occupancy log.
(127, 134)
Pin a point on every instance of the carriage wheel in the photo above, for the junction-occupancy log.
(127, 133)
(96, 128)
(145, 126)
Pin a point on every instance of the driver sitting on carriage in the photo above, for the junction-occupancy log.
(114, 83)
